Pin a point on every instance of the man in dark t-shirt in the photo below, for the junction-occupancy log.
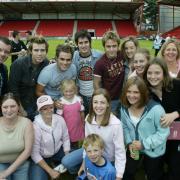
(109, 71)
(18, 46)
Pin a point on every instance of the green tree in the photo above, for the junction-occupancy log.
(151, 12)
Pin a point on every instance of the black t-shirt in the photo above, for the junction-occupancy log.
(16, 47)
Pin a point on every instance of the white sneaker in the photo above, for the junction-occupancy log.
(60, 168)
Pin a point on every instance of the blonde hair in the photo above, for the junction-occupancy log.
(68, 83)
(93, 139)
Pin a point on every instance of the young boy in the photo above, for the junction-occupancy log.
(95, 165)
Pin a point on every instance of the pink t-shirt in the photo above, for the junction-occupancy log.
(71, 114)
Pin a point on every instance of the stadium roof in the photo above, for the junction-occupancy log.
(170, 2)
(81, 6)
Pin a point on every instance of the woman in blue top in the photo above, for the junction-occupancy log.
(142, 130)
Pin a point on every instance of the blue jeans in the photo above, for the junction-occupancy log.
(37, 172)
(21, 172)
(73, 161)
(86, 103)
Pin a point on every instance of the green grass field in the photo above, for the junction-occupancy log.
(96, 44)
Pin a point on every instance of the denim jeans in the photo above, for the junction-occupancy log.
(73, 161)
(21, 172)
(38, 173)
(86, 103)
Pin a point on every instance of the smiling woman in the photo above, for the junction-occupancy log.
(142, 130)
(17, 137)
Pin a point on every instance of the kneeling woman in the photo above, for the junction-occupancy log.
(51, 140)
(16, 139)
(142, 130)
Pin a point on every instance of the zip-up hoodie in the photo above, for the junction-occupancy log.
(148, 130)
(112, 135)
(49, 139)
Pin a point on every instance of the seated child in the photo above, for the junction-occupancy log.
(96, 167)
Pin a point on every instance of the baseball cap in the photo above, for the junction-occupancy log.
(43, 101)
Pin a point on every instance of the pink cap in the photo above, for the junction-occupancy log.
(43, 101)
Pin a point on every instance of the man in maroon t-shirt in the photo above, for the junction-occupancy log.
(109, 70)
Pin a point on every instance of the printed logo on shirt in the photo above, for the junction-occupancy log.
(115, 69)
(85, 73)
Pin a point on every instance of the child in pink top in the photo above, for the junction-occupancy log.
(72, 111)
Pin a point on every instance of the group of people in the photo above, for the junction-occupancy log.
(120, 104)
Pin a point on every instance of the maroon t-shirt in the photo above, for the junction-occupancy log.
(112, 74)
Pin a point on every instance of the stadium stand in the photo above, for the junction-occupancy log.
(100, 26)
(125, 28)
(22, 25)
(55, 27)
(174, 32)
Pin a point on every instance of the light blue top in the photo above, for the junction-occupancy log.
(51, 77)
(148, 130)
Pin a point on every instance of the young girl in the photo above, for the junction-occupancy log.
(72, 111)
(140, 60)
(142, 130)
(166, 90)
(128, 49)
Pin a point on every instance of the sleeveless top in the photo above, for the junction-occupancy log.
(12, 141)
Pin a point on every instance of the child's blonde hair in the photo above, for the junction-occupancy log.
(93, 139)
(68, 83)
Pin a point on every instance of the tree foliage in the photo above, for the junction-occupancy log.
(151, 12)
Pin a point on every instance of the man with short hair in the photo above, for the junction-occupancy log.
(18, 46)
(5, 50)
(85, 59)
(109, 70)
(51, 76)
(24, 73)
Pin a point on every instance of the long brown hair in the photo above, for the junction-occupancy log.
(91, 114)
(167, 80)
(141, 85)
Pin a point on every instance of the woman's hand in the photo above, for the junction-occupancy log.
(54, 174)
(168, 118)
(137, 145)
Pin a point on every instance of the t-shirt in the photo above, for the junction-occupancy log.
(12, 141)
(51, 77)
(85, 76)
(16, 47)
(112, 74)
(104, 172)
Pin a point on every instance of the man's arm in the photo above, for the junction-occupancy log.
(97, 82)
(39, 90)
